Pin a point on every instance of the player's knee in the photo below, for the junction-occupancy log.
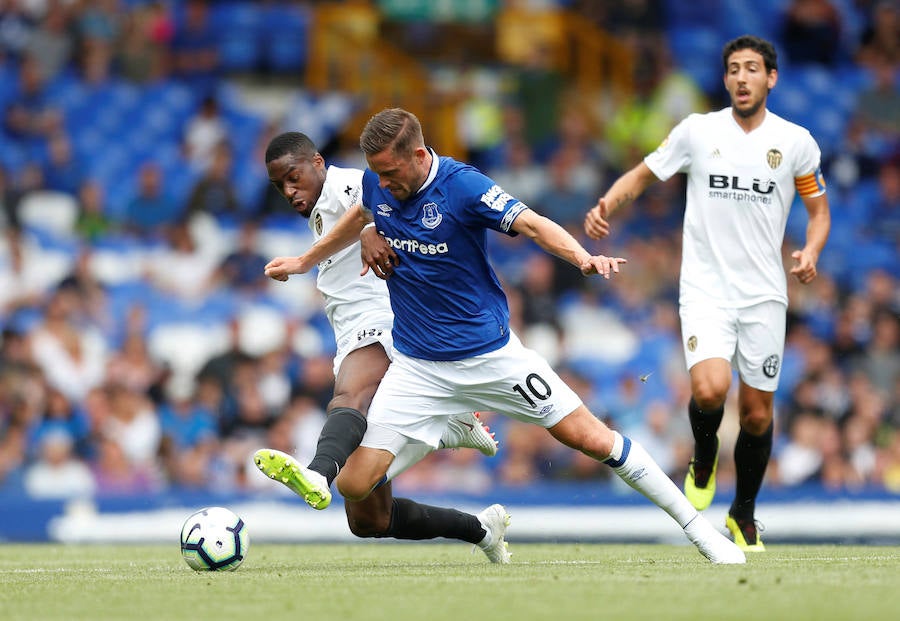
(357, 402)
(368, 526)
(756, 421)
(709, 395)
(351, 488)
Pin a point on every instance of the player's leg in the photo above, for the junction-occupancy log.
(355, 384)
(583, 431)
(751, 458)
(521, 384)
(357, 379)
(381, 515)
(463, 431)
(758, 360)
(710, 382)
(709, 339)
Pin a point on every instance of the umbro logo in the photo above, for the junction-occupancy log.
(384, 210)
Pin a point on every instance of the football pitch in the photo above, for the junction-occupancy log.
(435, 582)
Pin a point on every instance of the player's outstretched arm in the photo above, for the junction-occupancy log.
(556, 240)
(626, 188)
(817, 230)
(345, 232)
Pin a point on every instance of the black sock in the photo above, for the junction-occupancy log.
(751, 457)
(705, 425)
(411, 520)
(341, 434)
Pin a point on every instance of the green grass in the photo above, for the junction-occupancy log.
(436, 582)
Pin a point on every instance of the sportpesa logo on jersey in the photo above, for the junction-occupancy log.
(415, 246)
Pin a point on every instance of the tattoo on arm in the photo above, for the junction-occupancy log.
(627, 198)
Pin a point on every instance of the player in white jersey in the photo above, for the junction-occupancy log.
(359, 311)
(744, 166)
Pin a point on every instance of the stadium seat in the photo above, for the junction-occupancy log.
(53, 212)
(285, 46)
(241, 31)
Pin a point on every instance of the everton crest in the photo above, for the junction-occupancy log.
(431, 217)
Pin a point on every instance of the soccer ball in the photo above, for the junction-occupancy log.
(214, 539)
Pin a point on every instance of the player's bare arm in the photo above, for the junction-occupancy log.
(377, 254)
(345, 232)
(623, 192)
(817, 230)
(557, 241)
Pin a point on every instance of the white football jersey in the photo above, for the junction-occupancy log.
(348, 296)
(740, 187)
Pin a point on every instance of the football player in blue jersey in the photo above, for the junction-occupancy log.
(454, 350)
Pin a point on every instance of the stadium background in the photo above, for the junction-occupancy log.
(144, 356)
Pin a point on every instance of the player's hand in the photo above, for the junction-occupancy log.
(605, 266)
(280, 268)
(377, 254)
(804, 268)
(596, 224)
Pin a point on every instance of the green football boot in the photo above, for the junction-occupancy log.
(745, 533)
(308, 484)
(700, 482)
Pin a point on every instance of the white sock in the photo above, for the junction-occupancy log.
(409, 455)
(634, 465)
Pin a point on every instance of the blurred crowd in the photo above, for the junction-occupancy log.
(143, 349)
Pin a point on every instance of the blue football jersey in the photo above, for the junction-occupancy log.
(447, 301)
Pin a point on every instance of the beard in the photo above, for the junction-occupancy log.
(746, 113)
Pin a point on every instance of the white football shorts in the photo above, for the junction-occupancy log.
(416, 397)
(364, 329)
(750, 338)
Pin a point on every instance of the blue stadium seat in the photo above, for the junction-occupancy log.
(285, 46)
(241, 31)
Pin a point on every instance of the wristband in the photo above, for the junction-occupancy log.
(370, 224)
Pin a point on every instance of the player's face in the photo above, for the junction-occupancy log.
(747, 82)
(299, 179)
(400, 175)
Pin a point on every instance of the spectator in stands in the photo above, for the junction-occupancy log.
(517, 171)
(60, 414)
(72, 354)
(133, 422)
(142, 54)
(195, 53)
(879, 44)
(878, 108)
(811, 32)
(115, 475)
(31, 116)
(93, 222)
(15, 29)
(152, 209)
(22, 281)
(58, 473)
(52, 42)
(243, 269)
(182, 268)
(215, 193)
(64, 172)
(132, 366)
(205, 134)
(880, 362)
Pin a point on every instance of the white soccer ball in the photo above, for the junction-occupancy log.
(214, 539)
